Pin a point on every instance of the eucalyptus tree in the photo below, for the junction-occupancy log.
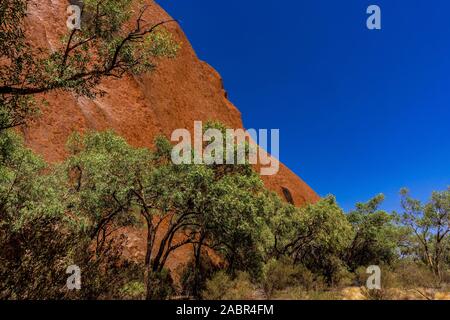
(316, 236)
(377, 235)
(430, 225)
(107, 45)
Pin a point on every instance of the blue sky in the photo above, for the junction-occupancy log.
(360, 112)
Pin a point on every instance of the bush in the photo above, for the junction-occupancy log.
(281, 274)
(222, 287)
(217, 286)
(187, 275)
(343, 278)
(278, 275)
(127, 282)
(375, 294)
(134, 290)
(413, 275)
(406, 280)
(315, 236)
(162, 286)
(389, 279)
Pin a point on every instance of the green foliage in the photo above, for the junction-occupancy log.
(235, 221)
(133, 290)
(193, 276)
(108, 180)
(162, 44)
(429, 225)
(217, 286)
(283, 274)
(376, 235)
(15, 58)
(162, 287)
(100, 174)
(223, 287)
(114, 15)
(412, 275)
(335, 232)
(277, 276)
(39, 237)
(104, 47)
(315, 236)
(324, 295)
(55, 216)
(25, 193)
(112, 185)
(30, 216)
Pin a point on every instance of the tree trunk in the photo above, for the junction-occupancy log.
(197, 266)
(148, 258)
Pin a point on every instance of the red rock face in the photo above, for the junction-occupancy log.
(179, 92)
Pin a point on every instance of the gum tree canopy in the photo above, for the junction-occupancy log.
(104, 47)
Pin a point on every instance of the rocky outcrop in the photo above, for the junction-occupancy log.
(179, 92)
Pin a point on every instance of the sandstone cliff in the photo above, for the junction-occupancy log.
(178, 93)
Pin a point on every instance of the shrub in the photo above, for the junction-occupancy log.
(376, 235)
(315, 236)
(222, 287)
(161, 285)
(278, 275)
(134, 290)
(343, 278)
(375, 294)
(281, 274)
(187, 275)
(299, 293)
(217, 286)
(413, 275)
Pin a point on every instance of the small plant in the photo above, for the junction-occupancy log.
(222, 287)
(161, 286)
(376, 294)
(281, 274)
(134, 290)
(413, 275)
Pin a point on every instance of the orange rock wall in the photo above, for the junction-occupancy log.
(179, 92)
